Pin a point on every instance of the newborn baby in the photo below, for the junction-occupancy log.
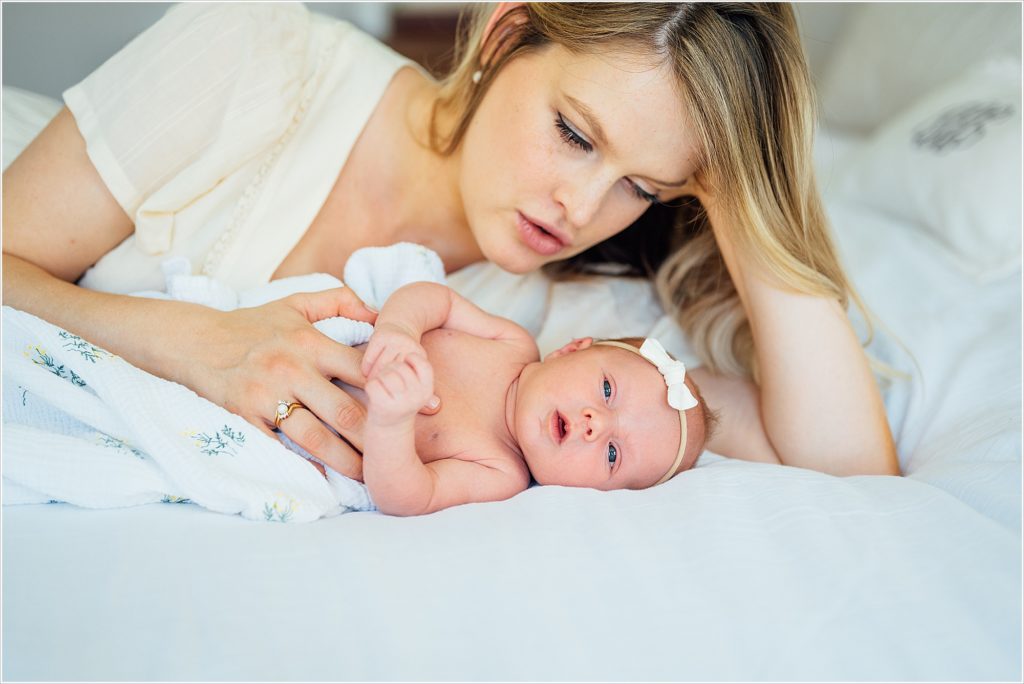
(606, 415)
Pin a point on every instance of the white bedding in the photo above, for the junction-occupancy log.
(735, 571)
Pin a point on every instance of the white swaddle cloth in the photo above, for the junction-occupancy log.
(85, 427)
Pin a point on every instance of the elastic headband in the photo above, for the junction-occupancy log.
(679, 396)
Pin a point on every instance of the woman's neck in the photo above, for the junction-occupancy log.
(419, 191)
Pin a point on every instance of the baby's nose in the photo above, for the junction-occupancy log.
(595, 424)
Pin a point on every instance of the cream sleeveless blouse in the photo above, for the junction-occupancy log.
(221, 130)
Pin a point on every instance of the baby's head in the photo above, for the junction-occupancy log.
(597, 414)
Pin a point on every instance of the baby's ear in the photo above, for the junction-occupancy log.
(579, 344)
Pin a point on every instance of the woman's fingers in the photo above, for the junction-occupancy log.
(340, 301)
(263, 427)
(336, 408)
(306, 430)
(336, 360)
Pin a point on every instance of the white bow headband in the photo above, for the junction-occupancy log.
(679, 395)
(674, 372)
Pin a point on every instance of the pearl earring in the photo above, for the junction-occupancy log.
(477, 76)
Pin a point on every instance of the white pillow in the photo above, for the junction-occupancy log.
(24, 115)
(951, 167)
(893, 53)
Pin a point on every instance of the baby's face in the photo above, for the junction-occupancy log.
(595, 417)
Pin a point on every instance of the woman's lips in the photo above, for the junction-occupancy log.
(537, 238)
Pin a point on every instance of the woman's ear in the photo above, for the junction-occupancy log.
(579, 344)
(489, 43)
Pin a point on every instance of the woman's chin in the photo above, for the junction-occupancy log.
(515, 259)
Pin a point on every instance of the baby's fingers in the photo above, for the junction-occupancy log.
(423, 372)
(370, 358)
(394, 378)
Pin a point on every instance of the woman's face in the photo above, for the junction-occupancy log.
(566, 150)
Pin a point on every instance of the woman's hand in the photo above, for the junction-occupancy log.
(248, 360)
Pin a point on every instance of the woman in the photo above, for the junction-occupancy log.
(262, 143)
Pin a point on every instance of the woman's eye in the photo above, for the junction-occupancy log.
(570, 136)
(607, 387)
(613, 454)
(641, 194)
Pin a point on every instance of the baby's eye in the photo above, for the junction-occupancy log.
(607, 389)
(613, 453)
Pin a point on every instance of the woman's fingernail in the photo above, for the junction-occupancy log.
(434, 402)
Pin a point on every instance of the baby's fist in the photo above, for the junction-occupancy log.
(398, 390)
(389, 343)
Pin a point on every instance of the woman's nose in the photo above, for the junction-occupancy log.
(580, 198)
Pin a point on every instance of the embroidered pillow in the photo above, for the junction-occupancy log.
(888, 55)
(950, 166)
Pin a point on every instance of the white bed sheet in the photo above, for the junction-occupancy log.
(804, 577)
(736, 571)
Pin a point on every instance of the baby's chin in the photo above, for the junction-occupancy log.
(530, 460)
(534, 463)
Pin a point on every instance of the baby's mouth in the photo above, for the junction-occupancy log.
(559, 427)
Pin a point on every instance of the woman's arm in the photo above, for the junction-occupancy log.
(739, 429)
(820, 405)
(59, 218)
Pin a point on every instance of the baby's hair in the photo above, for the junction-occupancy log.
(709, 419)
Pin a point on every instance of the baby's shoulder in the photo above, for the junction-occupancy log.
(517, 350)
(498, 457)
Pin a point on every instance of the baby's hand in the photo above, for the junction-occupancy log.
(398, 390)
(388, 344)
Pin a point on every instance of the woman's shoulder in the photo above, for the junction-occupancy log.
(228, 24)
(239, 14)
(198, 42)
(354, 48)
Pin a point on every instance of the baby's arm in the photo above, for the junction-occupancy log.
(398, 480)
(419, 307)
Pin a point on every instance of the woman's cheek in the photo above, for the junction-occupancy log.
(612, 218)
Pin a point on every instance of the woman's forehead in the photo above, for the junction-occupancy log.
(637, 102)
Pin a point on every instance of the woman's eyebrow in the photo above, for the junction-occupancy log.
(591, 120)
(595, 125)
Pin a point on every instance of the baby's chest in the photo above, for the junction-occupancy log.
(455, 432)
(472, 389)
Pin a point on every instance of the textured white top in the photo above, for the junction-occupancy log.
(220, 130)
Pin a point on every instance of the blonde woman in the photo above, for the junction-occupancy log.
(261, 141)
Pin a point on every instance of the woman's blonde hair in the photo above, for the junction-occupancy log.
(745, 84)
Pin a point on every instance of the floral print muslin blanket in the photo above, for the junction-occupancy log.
(83, 426)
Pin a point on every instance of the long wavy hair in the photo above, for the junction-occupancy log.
(745, 83)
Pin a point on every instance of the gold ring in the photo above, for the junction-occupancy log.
(284, 409)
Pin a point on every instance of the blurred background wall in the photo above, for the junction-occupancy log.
(48, 47)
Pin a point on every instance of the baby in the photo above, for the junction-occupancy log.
(605, 415)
